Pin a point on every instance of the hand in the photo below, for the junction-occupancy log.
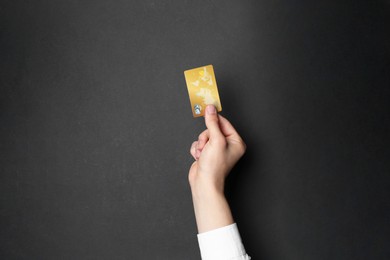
(217, 150)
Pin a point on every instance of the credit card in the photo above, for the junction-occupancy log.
(202, 89)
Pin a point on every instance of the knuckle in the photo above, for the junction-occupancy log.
(192, 147)
(244, 146)
(212, 120)
(220, 140)
(241, 148)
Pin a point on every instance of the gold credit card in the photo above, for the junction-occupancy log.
(202, 89)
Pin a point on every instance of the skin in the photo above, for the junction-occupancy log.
(216, 151)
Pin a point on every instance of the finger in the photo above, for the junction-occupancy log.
(231, 133)
(202, 139)
(197, 154)
(226, 127)
(193, 149)
(212, 123)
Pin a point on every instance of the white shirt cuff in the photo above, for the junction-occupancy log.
(222, 244)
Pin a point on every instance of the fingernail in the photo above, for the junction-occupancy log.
(211, 109)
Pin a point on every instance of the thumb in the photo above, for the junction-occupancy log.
(212, 122)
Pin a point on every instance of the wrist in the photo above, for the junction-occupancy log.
(206, 189)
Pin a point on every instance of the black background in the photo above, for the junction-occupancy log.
(95, 126)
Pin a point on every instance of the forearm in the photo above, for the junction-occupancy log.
(211, 208)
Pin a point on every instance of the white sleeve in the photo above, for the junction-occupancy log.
(222, 244)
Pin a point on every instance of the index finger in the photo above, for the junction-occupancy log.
(226, 127)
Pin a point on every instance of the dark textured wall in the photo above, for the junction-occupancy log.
(95, 126)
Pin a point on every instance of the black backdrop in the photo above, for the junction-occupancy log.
(95, 126)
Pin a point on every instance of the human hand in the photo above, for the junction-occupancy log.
(216, 151)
